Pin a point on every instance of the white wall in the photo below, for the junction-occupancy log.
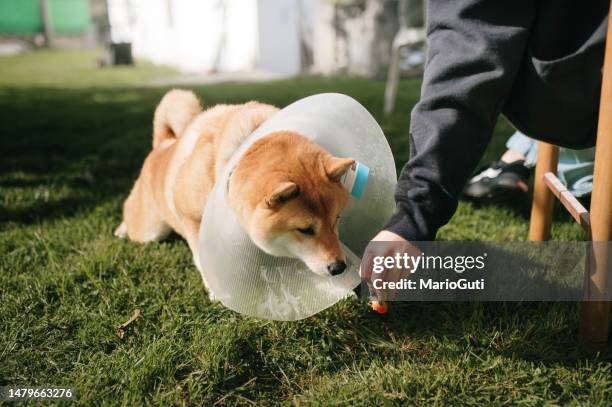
(215, 35)
(279, 36)
(239, 48)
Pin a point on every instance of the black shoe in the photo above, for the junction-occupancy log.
(498, 182)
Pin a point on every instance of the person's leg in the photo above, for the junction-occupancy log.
(521, 148)
(507, 178)
(575, 170)
(575, 167)
(511, 156)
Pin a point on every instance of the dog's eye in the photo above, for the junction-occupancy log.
(309, 231)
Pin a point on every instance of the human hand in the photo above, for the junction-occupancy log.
(385, 244)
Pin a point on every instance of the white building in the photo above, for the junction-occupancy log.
(217, 35)
(282, 37)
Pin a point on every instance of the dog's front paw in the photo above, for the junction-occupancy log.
(121, 231)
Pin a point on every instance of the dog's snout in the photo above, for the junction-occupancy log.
(336, 267)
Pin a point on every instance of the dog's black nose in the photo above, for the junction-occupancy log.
(336, 267)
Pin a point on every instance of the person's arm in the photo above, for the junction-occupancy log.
(475, 48)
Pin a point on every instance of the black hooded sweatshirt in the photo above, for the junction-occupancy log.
(537, 62)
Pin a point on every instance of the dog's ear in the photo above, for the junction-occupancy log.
(336, 167)
(283, 193)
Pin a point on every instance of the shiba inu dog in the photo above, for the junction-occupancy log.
(285, 189)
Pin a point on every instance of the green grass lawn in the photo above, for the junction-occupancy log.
(73, 140)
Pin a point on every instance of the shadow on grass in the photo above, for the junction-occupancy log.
(531, 331)
(54, 137)
(539, 332)
(69, 150)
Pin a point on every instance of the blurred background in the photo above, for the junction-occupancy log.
(274, 37)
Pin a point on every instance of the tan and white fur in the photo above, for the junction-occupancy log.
(285, 189)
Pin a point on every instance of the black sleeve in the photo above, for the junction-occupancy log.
(475, 48)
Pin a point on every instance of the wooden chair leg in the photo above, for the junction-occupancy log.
(543, 199)
(595, 312)
(595, 315)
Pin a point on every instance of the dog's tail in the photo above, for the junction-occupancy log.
(173, 114)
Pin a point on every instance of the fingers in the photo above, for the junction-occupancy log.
(385, 245)
(367, 267)
(373, 251)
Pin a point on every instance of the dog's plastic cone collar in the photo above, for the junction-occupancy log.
(252, 282)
